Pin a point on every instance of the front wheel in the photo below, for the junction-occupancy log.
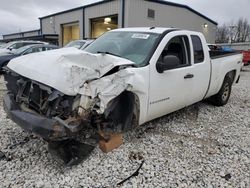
(222, 97)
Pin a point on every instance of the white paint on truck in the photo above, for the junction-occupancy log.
(75, 72)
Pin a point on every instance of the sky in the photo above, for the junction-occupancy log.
(22, 15)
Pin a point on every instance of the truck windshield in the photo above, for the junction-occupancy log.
(134, 46)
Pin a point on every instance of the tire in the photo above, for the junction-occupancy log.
(222, 97)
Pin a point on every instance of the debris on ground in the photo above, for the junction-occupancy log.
(227, 177)
(136, 173)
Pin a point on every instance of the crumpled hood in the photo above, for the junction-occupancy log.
(66, 69)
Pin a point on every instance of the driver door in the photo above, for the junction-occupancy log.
(169, 89)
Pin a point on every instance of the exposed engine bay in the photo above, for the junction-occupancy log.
(67, 118)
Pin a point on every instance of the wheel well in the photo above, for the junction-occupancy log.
(124, 111)
(231, 75)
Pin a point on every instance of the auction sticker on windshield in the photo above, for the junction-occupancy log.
(140, 36)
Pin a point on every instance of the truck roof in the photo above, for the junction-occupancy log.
(158, 30)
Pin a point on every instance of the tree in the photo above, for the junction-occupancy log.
(222, 34)
(234, 31)
(243, 30)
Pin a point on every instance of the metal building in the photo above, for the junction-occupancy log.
(92, 20)
(31, 35)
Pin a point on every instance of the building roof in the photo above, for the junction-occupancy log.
(154, 1)
(183, 6)
(37, 37)
(77, 8)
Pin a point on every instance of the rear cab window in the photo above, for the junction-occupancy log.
(197, 49)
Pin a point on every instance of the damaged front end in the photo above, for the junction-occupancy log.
(54, 116)
(42, 110)
(64, 99)
(62, 120)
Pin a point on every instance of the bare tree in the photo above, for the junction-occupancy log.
(222, 34)
(243, 30)
(234, 32)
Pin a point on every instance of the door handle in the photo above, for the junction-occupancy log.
(188, 76)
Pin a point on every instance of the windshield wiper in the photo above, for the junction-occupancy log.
(109, 53)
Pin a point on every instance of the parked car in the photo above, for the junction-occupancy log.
(17, 44)
(246, 57)
(79, 44)
(6, 57)
(125, 78)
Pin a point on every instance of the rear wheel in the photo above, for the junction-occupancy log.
(222, 97)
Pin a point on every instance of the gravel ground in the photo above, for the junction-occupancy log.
(199, 146)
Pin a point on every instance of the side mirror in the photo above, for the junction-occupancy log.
(169, 62)
(10, 48)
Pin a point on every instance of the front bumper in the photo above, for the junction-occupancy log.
(49, 129)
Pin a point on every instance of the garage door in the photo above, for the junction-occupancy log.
(70, 32)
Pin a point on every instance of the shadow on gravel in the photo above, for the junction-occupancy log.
(189, 113)
(245, 70)
(70, 152)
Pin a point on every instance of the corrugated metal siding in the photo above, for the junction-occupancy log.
(58, 20)
(30, 34)
(106, 9)
(135, 16)
(22, 34)
(167, 16)
(12, 36)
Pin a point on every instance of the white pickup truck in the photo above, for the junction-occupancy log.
(123, 79)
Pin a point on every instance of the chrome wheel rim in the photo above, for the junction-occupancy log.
(226, 92)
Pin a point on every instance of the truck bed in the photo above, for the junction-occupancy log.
(221, 64)
(214, 54)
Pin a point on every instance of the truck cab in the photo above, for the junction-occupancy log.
(181, 84)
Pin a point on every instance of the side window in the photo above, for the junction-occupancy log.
(28, 51)
(179, 47)
(198, 49)
(33, 50)
(47, 48)
(17, 45)
(40, 49)
(23, 44)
